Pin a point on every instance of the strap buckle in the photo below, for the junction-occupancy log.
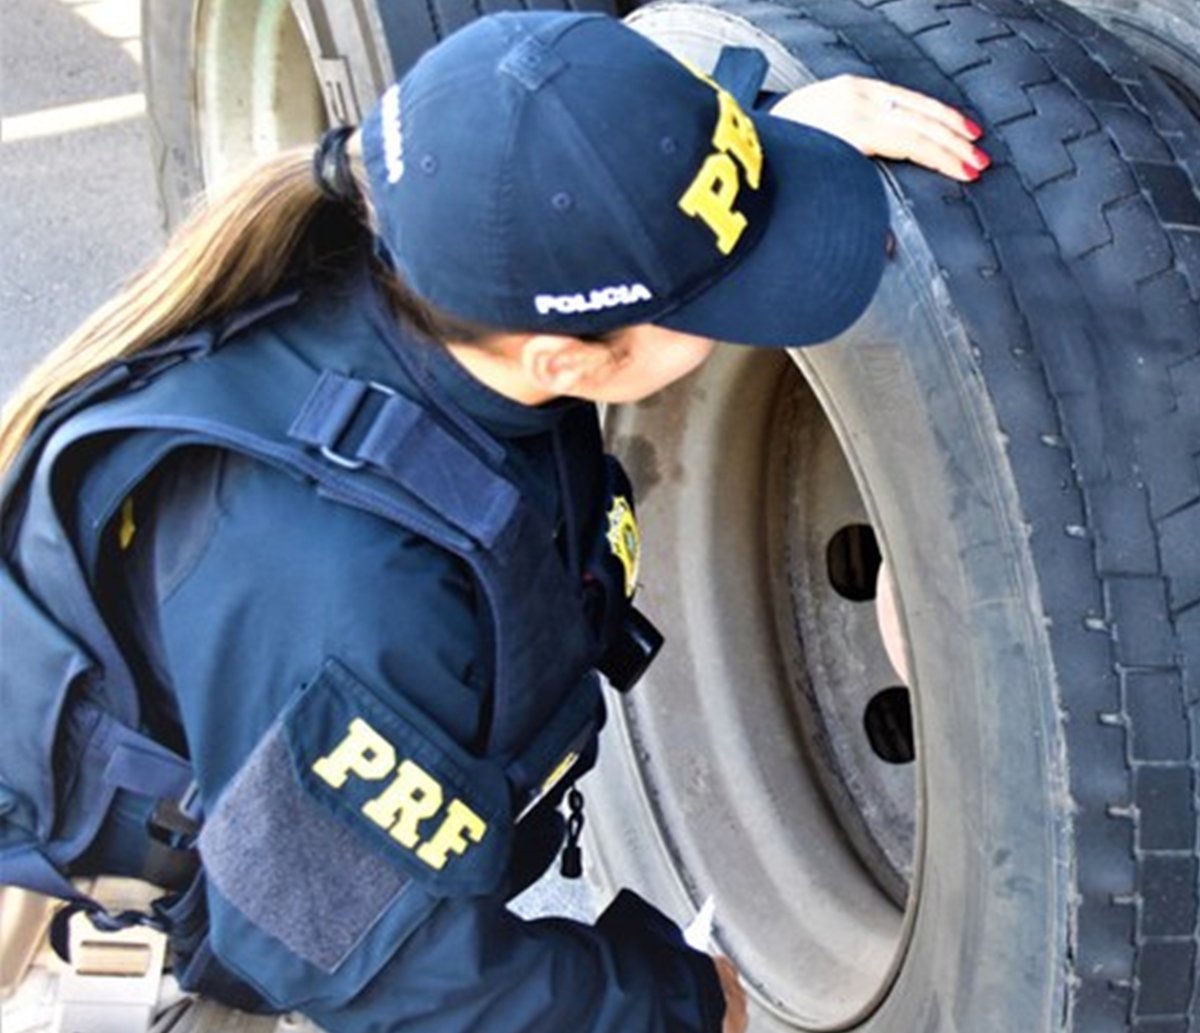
(329, 451)
(171, 859)
(178, 821)
(114, 980)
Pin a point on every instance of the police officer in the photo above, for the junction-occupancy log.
(362, 551)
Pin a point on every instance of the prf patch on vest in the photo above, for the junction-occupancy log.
(387, 771)
(737, 153)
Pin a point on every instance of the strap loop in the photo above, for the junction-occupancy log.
(343, 418)
(741, 72)
(327, 417)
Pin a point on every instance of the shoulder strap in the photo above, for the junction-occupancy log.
(361, 443)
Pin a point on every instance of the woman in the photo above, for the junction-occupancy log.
(343, 512)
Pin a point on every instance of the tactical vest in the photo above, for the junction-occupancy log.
(72, 730)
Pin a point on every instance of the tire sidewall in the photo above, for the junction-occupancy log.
(989, 940)
(1166, 33)
(168, 33)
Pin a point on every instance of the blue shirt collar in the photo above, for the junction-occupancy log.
(496, 413)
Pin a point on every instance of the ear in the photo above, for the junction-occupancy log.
(561, 365)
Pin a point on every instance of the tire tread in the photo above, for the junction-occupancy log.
(1092, 211)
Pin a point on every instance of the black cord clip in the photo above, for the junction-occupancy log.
(572, 855)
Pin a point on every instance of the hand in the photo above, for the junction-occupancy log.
(887, 121)
(736, 1019)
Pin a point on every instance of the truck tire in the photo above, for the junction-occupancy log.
(228, 81)
(1165, 32)
(1006, 839)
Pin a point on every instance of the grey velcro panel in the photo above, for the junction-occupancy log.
(289, 866)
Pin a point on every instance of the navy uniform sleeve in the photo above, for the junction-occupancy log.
(476, 966)
(258, 583)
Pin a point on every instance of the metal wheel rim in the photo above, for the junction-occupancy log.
(256, 91)
(793, 896)
(839, 669)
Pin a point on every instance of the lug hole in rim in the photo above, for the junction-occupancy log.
(852, 561)
(889, 726)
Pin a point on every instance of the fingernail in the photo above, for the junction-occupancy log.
(971, 172)
(973, 129)
(980, 160)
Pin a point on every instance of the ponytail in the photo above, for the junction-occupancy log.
(270, 227)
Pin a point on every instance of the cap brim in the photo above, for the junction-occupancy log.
(817, 264)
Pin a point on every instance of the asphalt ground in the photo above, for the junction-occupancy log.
(78, 208)
(78, 203)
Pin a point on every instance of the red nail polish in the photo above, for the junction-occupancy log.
(971, 172)
(974, 130)
(980, 160)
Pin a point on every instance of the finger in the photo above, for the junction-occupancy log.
(878, 92)
(731, 980)
(736, 1014)
(930, 155)
(944, 114)
(916, 137)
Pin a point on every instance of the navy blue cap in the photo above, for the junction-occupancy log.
(561, 173)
